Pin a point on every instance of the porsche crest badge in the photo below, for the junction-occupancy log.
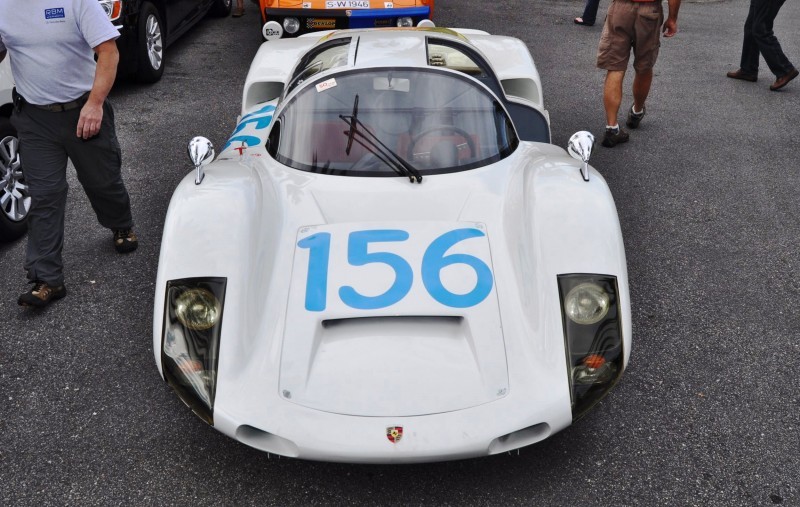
(394, 433)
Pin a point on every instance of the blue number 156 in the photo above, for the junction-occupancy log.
(358, 254)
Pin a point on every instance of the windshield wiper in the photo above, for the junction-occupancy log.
(374, 145)
(352, 124)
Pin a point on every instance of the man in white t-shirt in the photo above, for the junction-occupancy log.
(60, 113)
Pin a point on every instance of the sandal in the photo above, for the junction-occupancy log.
(580, 21)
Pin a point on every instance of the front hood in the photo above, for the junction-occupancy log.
(393, 319)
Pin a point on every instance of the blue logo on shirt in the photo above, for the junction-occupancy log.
(57, 13)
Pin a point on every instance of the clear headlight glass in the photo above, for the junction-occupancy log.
(405, 22)
(190, 342)
(291, 25)
(197, 309)
(592, 337)
(587, 304)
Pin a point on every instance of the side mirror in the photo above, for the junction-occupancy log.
(580, 147)
(201, 152)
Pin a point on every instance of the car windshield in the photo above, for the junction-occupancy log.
(384, 122)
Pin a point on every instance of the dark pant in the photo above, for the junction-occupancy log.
(590, 11)
(46, 140)
(759, 38)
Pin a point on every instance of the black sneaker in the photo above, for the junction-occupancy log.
(634, 119)
(125, 240)
(614, 137)
(41, 295)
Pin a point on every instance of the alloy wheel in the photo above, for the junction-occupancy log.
(15, 201)
(155, 48)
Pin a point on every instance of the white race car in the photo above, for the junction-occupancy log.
(388, 261)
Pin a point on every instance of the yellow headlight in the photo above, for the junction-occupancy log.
(197, 309)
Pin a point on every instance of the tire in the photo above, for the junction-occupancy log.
(221, 8)
(15, 202)
(150, 45)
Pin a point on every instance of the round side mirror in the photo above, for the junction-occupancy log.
(580, 147)
(201, 152)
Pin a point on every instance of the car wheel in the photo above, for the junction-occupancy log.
(15, 202)
(221, 8)
(150, 47)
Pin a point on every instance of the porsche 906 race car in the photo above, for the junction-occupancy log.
(389, 262)
(290, 18)
(15, 201)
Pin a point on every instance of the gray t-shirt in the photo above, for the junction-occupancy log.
(50, 46)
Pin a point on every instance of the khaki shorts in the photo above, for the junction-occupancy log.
(629, 25)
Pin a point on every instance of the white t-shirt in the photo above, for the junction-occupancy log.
(50, 44)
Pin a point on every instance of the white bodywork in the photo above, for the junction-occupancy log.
(326, 385)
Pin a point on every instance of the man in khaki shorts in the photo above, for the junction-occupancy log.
(631, 25)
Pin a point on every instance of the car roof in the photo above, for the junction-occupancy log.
(398, 47)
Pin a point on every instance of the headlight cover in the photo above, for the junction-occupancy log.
(592, 337)
(291, 25)
(190, 340)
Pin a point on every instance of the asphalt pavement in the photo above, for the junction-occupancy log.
(707, 413)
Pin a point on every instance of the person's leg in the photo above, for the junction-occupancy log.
(98, 166)
(612, 98)
(46, 177)
(590, 11)
(613, 54)
(641, 88)
(750, 55)
(764, 38)
(612, 95)
(239, 10)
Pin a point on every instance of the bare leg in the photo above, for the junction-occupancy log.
(612, 95)
(641, 88)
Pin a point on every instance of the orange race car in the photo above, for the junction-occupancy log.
(290, 18)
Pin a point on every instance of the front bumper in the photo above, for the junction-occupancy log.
(314, 20)
(489, 429)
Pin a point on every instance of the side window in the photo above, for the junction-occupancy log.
(441, 54)
(322, 58)
(274, 139)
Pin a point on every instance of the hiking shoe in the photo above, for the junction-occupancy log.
(41, 295)
(614, 137)
(634, 119)
(125, 240)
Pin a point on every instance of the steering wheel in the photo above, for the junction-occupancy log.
(443, 128)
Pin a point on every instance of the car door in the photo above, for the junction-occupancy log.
(182, 15)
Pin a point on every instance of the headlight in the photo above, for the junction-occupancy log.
(197, 309)
(112, 8)
(405, 22)
(190, 341)
(291, 25)
(586, 303)
(592, 336)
